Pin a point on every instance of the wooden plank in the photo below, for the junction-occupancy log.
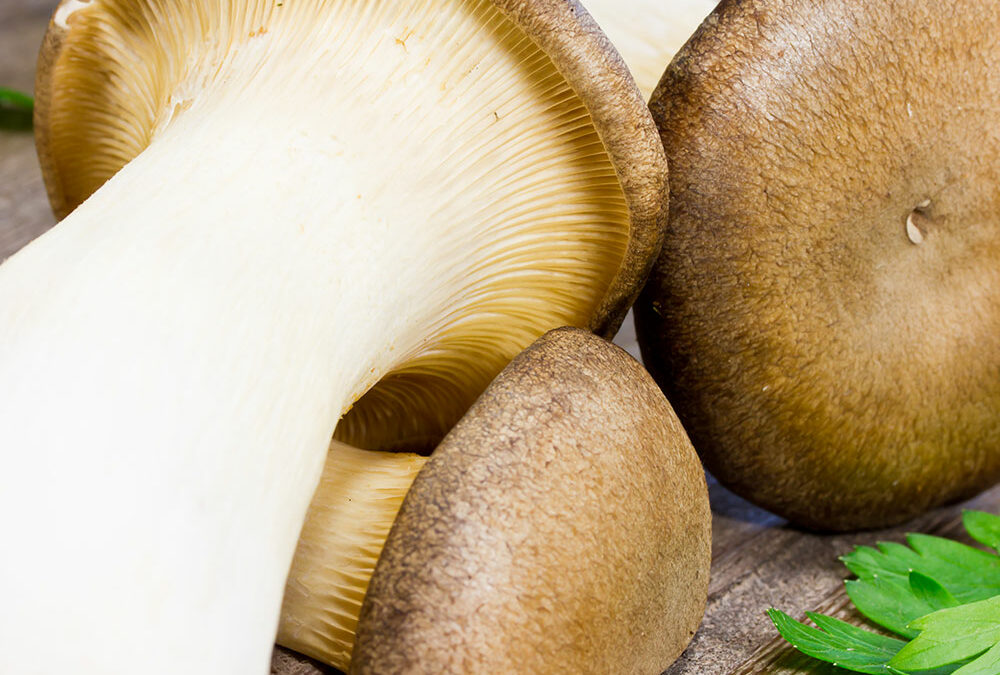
(758, 561)
(24, 208)
(792, 570)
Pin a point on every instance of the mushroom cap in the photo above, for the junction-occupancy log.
(112, 74)
(825, 314)
(562, 526)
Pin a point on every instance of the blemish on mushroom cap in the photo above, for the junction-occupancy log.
(913, 231)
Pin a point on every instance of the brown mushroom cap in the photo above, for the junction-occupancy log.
(562, 526)
(825, 315)
(113, 74)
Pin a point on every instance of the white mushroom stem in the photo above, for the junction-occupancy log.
(172, 372)
(175, 355)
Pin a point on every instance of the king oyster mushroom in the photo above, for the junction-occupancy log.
(825, 315)
(561, 527)
(278, 211)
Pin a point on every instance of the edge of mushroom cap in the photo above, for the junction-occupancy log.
(48, 55)
(596, 71)
(592, 67)
(481, 542)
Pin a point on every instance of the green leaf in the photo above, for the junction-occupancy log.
(983, 527)
(967, 573)
(15, 110)
(889, 559)
(930, 592)
(941, 593)
(888, 602)
(951, 635)
(878, 644)
(893, 601)
(987, 664)
(837, 642)
(943, 670)
(974, 573)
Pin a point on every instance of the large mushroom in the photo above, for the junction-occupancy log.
(825, 315)
(292, 208)
(561, 527)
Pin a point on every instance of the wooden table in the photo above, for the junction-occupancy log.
(757, 561)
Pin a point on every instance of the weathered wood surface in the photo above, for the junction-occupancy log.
(758, 561)
(24, 209)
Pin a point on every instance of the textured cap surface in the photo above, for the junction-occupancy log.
(825, 315)
(562, 526)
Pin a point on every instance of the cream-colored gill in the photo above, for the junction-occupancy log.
(324, 193)
(648, 33)
(452, 122)
(347, 524)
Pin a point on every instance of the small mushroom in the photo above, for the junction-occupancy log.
(825, 315)
(561, 527)
(279, 212)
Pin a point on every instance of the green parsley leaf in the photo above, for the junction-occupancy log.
(839, 643)
(15, 110)
(987, 664)
(969, 574)
(930, 592)
(897, 584)
(983, 527)
(888, 602)
(941, 594)
(952, 635)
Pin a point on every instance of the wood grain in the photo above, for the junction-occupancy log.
(758, 561)
(24, 208)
